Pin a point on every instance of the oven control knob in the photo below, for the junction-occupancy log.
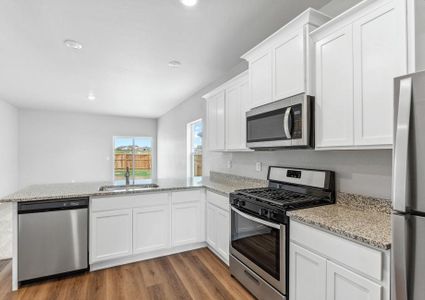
(235, 201)
(241, 203)
(264, 212)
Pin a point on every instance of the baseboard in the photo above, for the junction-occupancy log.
(144, 256)
(226, 261)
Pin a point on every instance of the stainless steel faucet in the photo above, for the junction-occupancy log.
(127, 176)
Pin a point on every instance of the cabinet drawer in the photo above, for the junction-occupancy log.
(218, 200)
(358, 257)
(122, 202)
(186, 196)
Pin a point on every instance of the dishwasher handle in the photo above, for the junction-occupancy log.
(52, 205)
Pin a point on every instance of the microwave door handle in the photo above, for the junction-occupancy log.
(401, 146)
(286, 123)
(257, 220)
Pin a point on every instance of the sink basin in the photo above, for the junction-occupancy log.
(129, 188)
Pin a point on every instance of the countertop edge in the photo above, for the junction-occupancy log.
(343, 234)
(107, 194)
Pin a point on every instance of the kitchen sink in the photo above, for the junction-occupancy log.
(129, 188)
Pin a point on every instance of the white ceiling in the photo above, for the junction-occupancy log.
(127, 45)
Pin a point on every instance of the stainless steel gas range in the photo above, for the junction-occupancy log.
(259, 250)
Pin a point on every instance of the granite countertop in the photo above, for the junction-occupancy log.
(218, 182)
(362, 219)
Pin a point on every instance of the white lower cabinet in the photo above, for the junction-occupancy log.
(343, 284)
(211, 229)
(111, 234)
(151, 228)
(323, 266)
(307, 270)
(186, 223)
(129, 228)
(222, 219)
(218, 225)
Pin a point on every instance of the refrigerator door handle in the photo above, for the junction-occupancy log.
(399, 258)
(401, 146)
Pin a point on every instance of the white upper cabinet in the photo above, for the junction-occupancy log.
(334, 90)
(260, 74)
(377, 60)
(216, 121)
(236, 107)
(289, 66)
(278, 67)
(357, 56)
(226, 108)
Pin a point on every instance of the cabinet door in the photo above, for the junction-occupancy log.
(220, 125)
(223, 233)
(343, 284)
(289, 66)
(212, 123)
(236, 98)
(211, 229)
(233, 114)
(186, 223)
(334, 87)
(377, 60)
(260, 74)
(307, 274)
(151, 228)
(111, 234)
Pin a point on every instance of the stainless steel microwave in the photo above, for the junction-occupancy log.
(286, 123)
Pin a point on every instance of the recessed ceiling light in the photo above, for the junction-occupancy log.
(189, 2)
(73, 44)
(91, 96)
(174, 64)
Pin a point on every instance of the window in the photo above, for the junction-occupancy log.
(134, 153)
(194, 148)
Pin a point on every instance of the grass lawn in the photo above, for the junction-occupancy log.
(139, 174)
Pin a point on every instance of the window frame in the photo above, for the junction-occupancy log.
(132, 177)
(189, 139)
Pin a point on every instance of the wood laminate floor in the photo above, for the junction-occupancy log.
(197, 274)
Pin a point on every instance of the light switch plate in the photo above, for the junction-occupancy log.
(258, 167)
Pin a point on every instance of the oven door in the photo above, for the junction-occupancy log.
(261, 246)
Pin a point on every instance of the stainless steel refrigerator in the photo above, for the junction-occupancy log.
(408, 190)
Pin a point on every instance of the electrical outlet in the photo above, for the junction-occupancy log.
(258, 167)
(229, 164)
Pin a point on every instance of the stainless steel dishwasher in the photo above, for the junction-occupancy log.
(52, 238)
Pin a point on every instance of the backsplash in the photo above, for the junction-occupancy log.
(362, 172)
(231, 179)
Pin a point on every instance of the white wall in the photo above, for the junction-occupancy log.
(64, 147)
(336, 7)
(8, 148)
(172, 134)
(9, 172)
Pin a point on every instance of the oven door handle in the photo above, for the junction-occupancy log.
(257, 220)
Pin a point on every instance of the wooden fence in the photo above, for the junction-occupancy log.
(141, 161)
(197, 164)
